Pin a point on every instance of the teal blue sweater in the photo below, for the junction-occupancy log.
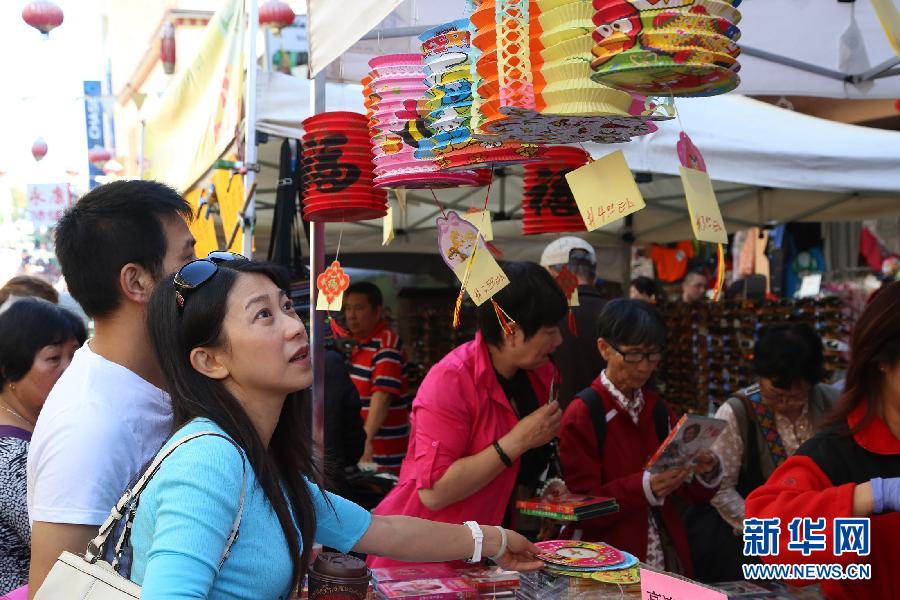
(186, 513)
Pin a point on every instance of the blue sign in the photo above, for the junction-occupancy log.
(94, 124)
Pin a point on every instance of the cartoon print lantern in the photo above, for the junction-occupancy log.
(39, 149)
(338, 172)
(667, 47)
(43, 16)
(547, 204)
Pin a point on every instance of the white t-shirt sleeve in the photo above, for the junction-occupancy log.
(81, 465)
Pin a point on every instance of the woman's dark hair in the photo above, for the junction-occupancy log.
(532, 299)
(788, 354)
(648, 287)
(874, 344)
(26, 326)
(626, 322)
(279, 468)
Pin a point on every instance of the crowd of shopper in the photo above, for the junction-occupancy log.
(205, 362)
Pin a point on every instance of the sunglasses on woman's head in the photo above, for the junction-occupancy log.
(197, 272)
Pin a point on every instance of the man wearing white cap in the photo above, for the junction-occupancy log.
(578, 358)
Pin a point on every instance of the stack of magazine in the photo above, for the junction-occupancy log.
(568, 507)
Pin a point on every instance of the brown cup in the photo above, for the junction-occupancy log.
(335, 576)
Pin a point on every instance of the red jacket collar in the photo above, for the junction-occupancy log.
(379, 327)
(875, 436)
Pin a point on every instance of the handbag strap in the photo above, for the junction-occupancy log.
(95, 546)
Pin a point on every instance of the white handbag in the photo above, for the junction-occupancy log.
(89, 577)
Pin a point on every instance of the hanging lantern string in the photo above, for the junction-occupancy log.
(457, 309)
(720, 272)
(337, 252)
(488, 195)
(438, 203)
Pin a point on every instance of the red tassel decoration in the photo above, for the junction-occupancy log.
(336, 329)
(506, 322)
(572, 326)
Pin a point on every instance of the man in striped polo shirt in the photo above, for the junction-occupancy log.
(377, 369)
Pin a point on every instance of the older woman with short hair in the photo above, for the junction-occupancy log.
(766, 423)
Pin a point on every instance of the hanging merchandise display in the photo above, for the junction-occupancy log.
(401, 141)
(547, 202)
(536, 86)
(337, 161)
(450, 100)
(43, 16)
(39, 149)
(668, 48)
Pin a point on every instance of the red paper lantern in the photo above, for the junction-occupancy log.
(547, 204)
(338, 171)
(43, 16)
(167, 48)
(39, 149)
(276, 14)
(98, 156)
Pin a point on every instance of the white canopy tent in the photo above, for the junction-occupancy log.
(770, 165)
(825, 48)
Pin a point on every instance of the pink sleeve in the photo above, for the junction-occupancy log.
(442, 423)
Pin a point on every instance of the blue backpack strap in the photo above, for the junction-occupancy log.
(598, 414)
(661, 419)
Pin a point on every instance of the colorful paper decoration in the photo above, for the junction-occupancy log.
(666, 47)
(450, 99)
(338, 171)
(401, 140)
(547, 203)
(332, 282)
(605, 190)
(457, 239)
(688, 154)
(536, 82)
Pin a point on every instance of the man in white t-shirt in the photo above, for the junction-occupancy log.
(106, 416)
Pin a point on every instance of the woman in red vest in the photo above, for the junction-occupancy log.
(631, 336)
(852, 468)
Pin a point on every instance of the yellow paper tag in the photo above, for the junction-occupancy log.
(706, 218)
(482, 221)
(605, 190)
(387, 235)
(485, 278)
(573, 301)
(322, 303)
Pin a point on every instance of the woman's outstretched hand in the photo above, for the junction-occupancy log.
(520, 555)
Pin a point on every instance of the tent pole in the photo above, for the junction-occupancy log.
(316, 317)
(249, 216)
(790, 62)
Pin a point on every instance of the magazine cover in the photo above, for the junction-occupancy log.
(451, 588)
(434, 571)
(692, 435)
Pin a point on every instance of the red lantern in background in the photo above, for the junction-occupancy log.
(276, 14)
(39, 149)
(98, 156)
(547, 204)
(43, 16)
(167, 48)
(338, 171)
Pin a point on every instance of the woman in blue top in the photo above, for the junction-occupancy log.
(234, 353)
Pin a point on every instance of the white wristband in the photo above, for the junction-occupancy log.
(504, 541)
(478, 538)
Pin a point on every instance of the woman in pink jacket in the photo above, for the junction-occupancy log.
(482, 419)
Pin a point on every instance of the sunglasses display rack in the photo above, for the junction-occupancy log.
(710, 345)
(424, 324)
